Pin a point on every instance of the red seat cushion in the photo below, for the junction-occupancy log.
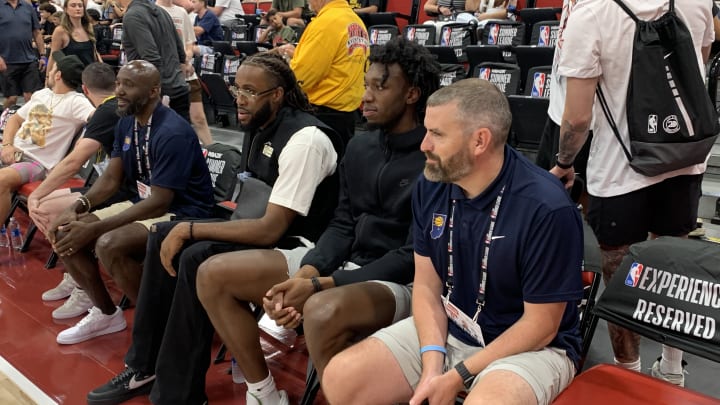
(609, 384)
(26, 189)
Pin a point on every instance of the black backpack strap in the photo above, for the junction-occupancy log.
(630, 13)
(611, 120)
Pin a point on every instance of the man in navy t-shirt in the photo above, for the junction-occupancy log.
(156, 153)
(206, 26)
(498, 254)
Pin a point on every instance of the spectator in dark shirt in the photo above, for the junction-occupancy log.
(46, 26)
(365, 6)
(206, 25)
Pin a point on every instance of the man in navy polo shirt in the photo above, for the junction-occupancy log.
(19, 72)
(156, 155)
(498, 252)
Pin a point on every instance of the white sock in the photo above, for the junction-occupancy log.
(264, 389)
(671, 361)
(635, 365)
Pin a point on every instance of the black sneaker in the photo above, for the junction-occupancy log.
(128, 384)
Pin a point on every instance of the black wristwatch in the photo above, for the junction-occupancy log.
(466, 376)
(561, 165)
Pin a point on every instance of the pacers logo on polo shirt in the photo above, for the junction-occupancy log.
(438, 225)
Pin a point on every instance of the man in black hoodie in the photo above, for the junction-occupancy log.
(149, 34)
(368, 238)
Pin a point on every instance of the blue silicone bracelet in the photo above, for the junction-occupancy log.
(433, 348)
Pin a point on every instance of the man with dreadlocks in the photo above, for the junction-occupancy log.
(367, 239)
(292, 152)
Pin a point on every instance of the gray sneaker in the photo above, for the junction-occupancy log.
(677, 379)
(62, 290)
(78, 304)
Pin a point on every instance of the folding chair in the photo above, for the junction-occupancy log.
(402, 10)
(557, 4)
(380, 18)
(444, 54)
(664, 290)
(610, 384)
(591, 276)
(505, 76)
(477, 54)
(458, 36)
(421, 34)
(381, 34)
(529, 56)
(538, 82)
(230, 67)
(502, 33)
(451, 73)
(531, 16)
(544, 33)
(222, 101)
(528, 118)
(237, 31)
(223, 47)
(247, 48)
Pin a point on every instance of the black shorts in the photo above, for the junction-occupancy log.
(668, 208)
(20, 78)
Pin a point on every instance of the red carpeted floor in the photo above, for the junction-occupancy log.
(67, 373)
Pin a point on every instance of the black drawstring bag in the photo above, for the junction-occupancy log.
(671, 120)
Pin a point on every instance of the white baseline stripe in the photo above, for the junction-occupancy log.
(25, 385)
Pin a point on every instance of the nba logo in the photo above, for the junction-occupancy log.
(445, 39)
(544, 39)
(484, 74)
(493, 34)
(633, 276)
(538, 86)
(652, 123)
(374, 36)
(411, 34)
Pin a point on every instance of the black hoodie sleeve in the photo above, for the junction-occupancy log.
(138, 32)
(334, 245)
(396, 265)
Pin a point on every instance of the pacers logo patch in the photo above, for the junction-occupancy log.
(438, 225)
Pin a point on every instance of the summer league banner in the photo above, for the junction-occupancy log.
(668, 290)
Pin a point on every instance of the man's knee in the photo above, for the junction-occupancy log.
(335, 378)
(10, 180)
(323, 309)
(209, 280)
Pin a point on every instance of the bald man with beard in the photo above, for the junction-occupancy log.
(155, 154)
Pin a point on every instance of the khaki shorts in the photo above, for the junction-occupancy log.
(117, 208)
(402, 293)
(195, 91)
(548, 371)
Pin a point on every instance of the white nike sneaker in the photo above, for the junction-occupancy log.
(62, 290)
(251, 399)
(94, 324)
(78, 303)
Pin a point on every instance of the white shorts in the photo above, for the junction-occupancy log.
(402, 293)
(548, 371)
